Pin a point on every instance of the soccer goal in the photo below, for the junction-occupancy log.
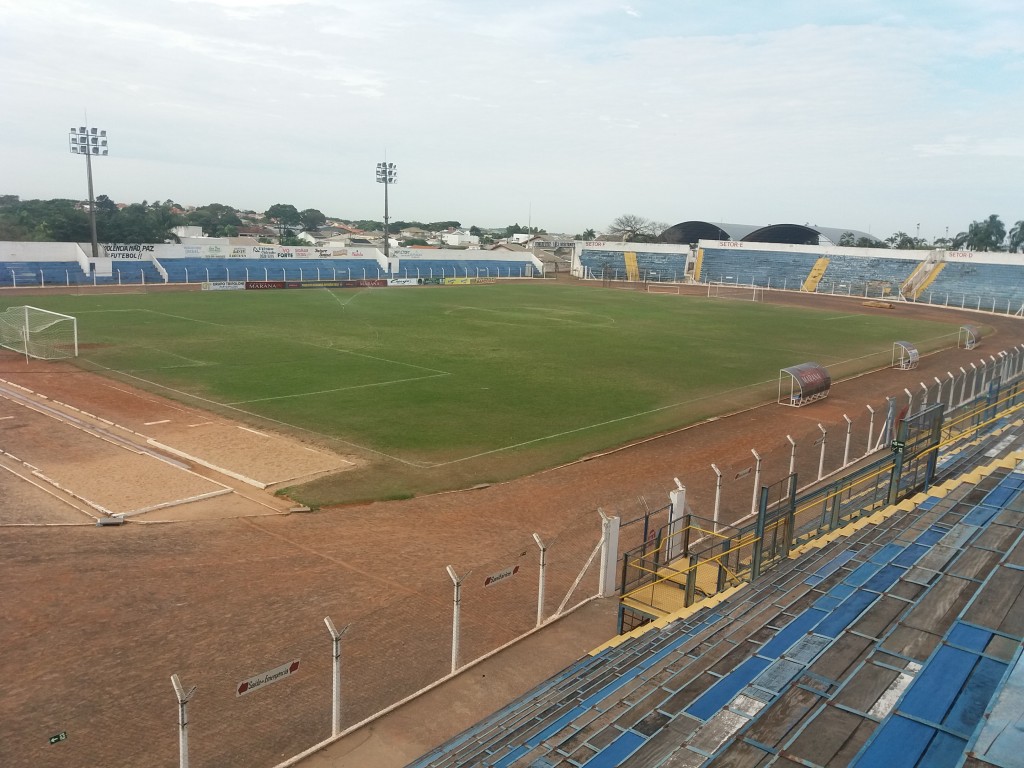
(735, 291)
(39, 333)
(672, 288)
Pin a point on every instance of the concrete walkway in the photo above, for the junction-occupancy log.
(411, 730)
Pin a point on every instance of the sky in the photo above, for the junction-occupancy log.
(879, 116)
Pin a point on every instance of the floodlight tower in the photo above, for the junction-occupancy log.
(387, 174)
(89, 142)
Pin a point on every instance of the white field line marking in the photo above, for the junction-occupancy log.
(334, 296)
(627, 417)
(151, 423)
(5, 418)
(289, 425)
(641, 413)
(255, 431)
(337, 389)
(201, 424)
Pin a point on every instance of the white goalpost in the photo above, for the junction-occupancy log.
(39, 333)
(672, 288)
(735, 291)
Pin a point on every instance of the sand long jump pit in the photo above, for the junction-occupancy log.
(110, 451)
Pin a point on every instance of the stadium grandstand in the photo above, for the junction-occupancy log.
(26, 265)
(792, 257)
(877, 621)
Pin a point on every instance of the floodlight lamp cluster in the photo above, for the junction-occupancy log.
(387, 173)
(88, 141)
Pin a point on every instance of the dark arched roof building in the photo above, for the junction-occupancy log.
(689, 232)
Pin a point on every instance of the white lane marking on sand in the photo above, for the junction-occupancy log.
(151, 423)
(4, 418)
(201, 424)
(255, 432)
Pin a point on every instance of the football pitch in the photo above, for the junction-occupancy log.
(449, 386)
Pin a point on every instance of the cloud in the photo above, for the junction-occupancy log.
(953, 146)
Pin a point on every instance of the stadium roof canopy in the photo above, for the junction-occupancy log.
(796, 234)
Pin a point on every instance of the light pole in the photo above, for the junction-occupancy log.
(89, 142)
(387, 174)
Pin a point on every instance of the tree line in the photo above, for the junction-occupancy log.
(63, 220)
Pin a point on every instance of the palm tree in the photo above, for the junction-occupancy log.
(987, 235)
(1016, 237)
(900, 240)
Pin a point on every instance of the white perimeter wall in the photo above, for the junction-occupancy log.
(17, 251)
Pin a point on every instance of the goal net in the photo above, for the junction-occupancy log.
(663, 288)
(734, 291)
(39, 333)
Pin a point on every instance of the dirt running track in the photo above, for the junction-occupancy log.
(93, 621)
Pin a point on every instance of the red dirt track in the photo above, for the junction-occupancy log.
(94, 620)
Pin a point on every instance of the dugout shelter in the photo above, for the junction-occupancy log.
(803, 384)
(970, 337)
(905, 355)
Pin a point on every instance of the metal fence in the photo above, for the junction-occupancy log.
(693, 557)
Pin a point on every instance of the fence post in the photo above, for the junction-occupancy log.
(540, 584)
(897, 466)
(757, 480)
(718, 496)
(871, 430)
(792, 453)
(183, 700)
(821, 459)
(676, 513)
(336, 675)
(791, 514)
(609, 553)
(846, 450)
(762, 512)
(457, 583)
(691, 581)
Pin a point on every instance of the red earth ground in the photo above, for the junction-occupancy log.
(94, 620)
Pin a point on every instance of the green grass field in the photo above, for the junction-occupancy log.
(443, 387)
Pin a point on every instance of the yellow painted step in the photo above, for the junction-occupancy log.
(930, 279)
(632, 270)
(817, 272)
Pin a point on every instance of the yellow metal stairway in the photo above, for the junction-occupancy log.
(632, 270)
(814, 277)
(922, 276)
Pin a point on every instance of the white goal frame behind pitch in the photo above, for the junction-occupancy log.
(39, 333)
(736, 291)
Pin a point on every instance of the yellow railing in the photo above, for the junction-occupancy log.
(729, 552)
